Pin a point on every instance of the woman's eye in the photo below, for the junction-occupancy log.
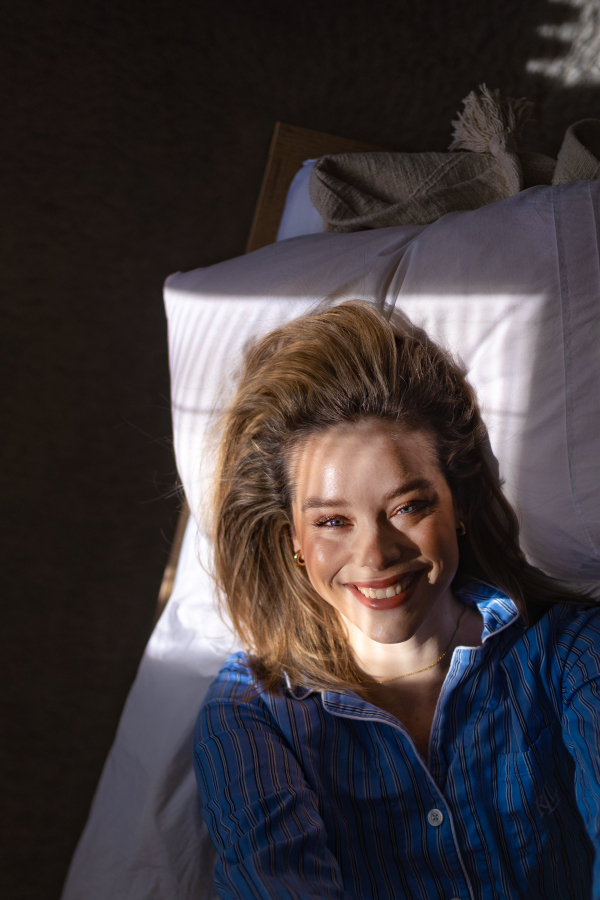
(408, 508)
(331, 522)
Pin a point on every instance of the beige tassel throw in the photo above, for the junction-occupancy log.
(486, 115)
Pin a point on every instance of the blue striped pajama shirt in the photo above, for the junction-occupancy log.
(319, 794)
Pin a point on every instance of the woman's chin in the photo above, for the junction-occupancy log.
(383, 627)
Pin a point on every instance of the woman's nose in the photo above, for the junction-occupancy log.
(378, 545)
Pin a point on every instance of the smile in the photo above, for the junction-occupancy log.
(391, 591)
(389, 596)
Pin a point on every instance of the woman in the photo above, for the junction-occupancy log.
(417, 713)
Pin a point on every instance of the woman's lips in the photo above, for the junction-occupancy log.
(383, 582)
(388, 593)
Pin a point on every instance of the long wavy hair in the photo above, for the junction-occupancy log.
(316, 372)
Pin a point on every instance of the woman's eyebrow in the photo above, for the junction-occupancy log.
(417, 484)
(322, 502)
(319, 502)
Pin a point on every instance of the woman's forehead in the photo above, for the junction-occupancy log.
(352, 455)
(375, 433)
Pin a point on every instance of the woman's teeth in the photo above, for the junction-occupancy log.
(391, 591)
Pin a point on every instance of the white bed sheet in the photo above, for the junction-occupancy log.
(145, 838)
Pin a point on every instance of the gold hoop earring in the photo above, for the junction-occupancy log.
(298, 558)
(461, 530)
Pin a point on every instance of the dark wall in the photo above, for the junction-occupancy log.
(134, 137)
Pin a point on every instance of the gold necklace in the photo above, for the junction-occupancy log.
(418, 671)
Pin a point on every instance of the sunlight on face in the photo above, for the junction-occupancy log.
(376, 523)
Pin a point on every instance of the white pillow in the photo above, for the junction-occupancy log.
(513, 288)
(299, 215)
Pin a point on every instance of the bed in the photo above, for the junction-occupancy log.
(512, 288)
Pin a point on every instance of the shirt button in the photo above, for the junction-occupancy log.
(435, 817)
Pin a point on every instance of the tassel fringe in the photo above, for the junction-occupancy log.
(486, 115)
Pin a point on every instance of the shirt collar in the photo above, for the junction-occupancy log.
(498, 610)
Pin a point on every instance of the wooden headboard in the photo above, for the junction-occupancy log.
(290, 146)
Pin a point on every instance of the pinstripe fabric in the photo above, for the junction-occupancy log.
(321, 794)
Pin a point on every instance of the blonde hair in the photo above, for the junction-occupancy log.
(316, 372)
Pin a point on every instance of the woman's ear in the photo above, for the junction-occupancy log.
(295, 540)
(459, 524)
(459, 520)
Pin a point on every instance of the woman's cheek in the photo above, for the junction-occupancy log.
(322, 557)
(448, 555)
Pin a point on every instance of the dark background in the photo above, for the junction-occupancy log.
(134, 137)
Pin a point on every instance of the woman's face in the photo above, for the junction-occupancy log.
(376, 523)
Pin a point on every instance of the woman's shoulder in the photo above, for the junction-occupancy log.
(566, 646)
(574, 628)
(234, 680)
(238, 686)
(232, 697)
(236, 702)
(562, 647)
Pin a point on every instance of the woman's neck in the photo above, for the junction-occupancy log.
(437, 636)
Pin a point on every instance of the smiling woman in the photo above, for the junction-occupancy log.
(384, 540)
(412, 686)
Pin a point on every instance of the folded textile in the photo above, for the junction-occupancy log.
(579, 156)
(357, 191)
